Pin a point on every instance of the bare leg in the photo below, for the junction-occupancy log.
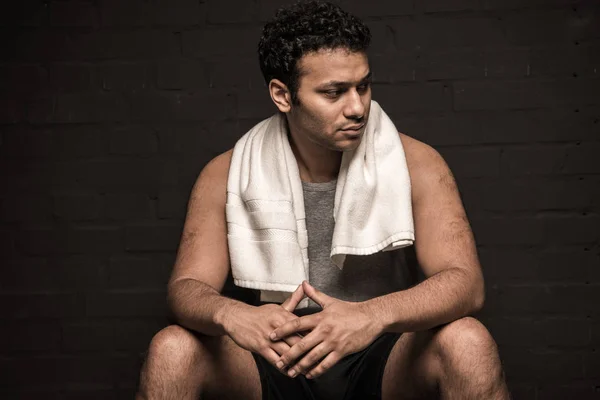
(182, 365)
(456, 361)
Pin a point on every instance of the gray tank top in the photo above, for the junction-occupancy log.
(363, 277)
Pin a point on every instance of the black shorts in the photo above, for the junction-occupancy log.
(357, 376)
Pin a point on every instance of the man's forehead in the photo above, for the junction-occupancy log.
(333, 65)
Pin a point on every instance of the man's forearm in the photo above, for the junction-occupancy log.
(200, 307)
(442, 298)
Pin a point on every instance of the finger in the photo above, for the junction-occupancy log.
(270, 355)
(295, 325)
(310, 360)
(291, 302)
(329, 361)
(280, 347)
(296, 351)
(317, 296)
(292, 340)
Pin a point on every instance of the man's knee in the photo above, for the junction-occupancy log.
(466, 345)
(176, 346)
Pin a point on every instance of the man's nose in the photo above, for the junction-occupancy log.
(355, 109)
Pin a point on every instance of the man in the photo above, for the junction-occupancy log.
(409, 343)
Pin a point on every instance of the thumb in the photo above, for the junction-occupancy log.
(291, 302)
(317, 296)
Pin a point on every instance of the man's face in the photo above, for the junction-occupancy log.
(334, 96)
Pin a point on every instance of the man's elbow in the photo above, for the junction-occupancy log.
(478, 293)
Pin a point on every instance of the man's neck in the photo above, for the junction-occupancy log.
(315, 163)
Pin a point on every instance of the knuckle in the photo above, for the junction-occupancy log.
(297, 323)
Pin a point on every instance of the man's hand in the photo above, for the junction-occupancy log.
(250, 326)
(342, 328)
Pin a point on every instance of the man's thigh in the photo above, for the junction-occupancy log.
(411, 368)
(231, 371)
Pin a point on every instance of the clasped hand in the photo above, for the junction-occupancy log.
(340, 329)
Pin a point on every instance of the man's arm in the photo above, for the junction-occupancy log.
(202, 264)
(445, 250)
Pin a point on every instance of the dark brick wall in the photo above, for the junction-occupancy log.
(110, 108)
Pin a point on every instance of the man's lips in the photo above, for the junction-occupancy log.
(354, 128)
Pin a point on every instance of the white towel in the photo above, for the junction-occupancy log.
(266, 226)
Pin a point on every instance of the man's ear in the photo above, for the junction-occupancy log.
(281, 95)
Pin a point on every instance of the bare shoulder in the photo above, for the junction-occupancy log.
(427, 168)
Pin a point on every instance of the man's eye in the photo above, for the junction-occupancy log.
(363, 88)
(333, 93)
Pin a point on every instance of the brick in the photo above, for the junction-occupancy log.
(535, 125)
(94, 240)
(27, 143)
(11, 110)
(133, 140)
(126, 45)
(45, 46)
(86, 108)
(200, 106)
(232, 41)
(41, 305)
(254, 104)
(538, 160)
(129, 206)
(135, 333)
(29, 13)
(572, 229)
(432, 6)
(539, 193)
(90, 369)
(40, 109)
(508, 231)
(117, 13)
(224, 72)
(451, 64)
(576, 300)
(462, 160)
(552, 265)
(387, 38)
(87, 336)
(582, 159)
(571, 390)
(124, 77)
(39, 242)
(84, 141)
(523, 94)
(77, 207)
(181, 12)
(414, 97)
(526, 332)
(116, 175)
(442, 32)
(231, 11)
(507, 63)
(26, 209)
(30, 336)
(126, 304)
(22, 79)
(547, 365)
(140, 272)
(393, 67)
(172, 205)
(27, 372)
(185, 74)
(517, 4)
(550, 26)
(73, 14)
(79, 272)
(379, 9)
(153, 238)
(24, 176)
(563, 60)
(70, 77)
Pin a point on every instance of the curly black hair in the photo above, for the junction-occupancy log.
(303, 28)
